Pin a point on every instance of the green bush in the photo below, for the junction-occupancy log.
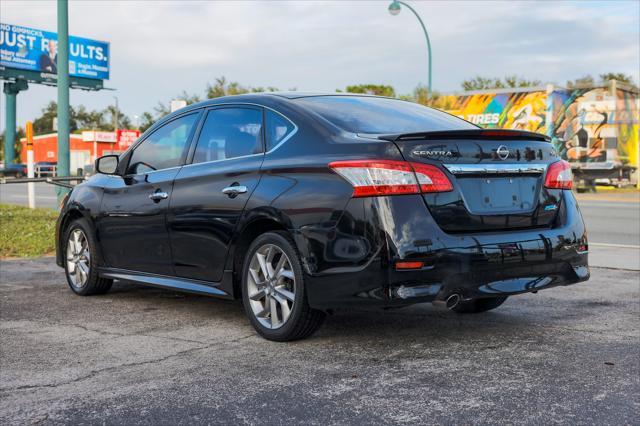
(25, 232)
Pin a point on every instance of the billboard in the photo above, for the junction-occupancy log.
(24, 48)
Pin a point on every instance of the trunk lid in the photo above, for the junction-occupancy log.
(497, 178)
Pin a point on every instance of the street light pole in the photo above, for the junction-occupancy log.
(394, 9)
(63, 95)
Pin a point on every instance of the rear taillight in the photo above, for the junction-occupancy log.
(377, 177)
(431, 178)
(388, 177)
(559, 176)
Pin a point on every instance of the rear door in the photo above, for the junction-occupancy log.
(210, 194)
(497, 177)
(132, 227)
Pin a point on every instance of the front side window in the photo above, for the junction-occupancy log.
(229, 133)
(278, 128)
(164, 148)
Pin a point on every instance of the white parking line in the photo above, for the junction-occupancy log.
(607, 204)
(614, 245)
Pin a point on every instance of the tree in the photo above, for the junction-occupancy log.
(146, 121)
(480, 83)
(81, 119)
(420, 95)
(621, 77)
(372, 89)
(90, 120)
(44, 123)
(509, 81)
(222, 87)
(586, 80)
(161, 109)
(20, 133)
(515, 81)
(124, 122)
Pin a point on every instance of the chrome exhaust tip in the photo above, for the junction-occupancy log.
(453, 300)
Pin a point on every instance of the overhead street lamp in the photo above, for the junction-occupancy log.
(394, 9)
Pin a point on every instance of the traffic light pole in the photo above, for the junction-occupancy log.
(63, 94)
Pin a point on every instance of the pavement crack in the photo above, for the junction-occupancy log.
(614, 269)
(111, 333)
(94, 373)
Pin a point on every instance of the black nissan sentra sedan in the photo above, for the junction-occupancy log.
(301, 204)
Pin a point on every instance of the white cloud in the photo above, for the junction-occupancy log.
(160, 48)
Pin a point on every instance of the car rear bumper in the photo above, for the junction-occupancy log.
(390, 229)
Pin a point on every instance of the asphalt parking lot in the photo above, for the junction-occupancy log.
(146, 356)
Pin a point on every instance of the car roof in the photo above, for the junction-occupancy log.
(265, 96)
(277, 95)
(261, 98)
(297, 95)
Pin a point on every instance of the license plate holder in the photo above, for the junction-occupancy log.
(499, 195)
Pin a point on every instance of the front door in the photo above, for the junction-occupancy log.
(132, 229)
(210, 194)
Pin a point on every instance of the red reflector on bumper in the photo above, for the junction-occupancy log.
(409, 265)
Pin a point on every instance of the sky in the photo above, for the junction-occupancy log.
(160, 48)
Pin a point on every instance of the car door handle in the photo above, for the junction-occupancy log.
(233, 191)
(157, 196)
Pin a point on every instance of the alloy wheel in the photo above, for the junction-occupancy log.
(271, 286)
(78, 258)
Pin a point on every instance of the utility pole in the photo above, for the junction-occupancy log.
(116, 114)
(63, 95)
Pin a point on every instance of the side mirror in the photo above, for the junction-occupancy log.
(107, 164)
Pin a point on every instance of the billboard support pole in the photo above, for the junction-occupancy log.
(11, 91)
(10, 126)
(63, 94)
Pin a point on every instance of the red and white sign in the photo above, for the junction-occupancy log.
(123, 137)
(91, 136)
(127, 137)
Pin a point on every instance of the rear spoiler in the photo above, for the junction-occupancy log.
(492, 134)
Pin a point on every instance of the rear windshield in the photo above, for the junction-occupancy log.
(360, 114)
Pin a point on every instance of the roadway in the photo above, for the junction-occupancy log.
(141, 355)
(146, 356)
(16, 193)
(611, 217)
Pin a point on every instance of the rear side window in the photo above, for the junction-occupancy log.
(370, 115)
(278, 128)
(229, 133)
(164, 148)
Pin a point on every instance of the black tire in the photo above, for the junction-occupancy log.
(475, 306)
(303, 320)
(94, 284)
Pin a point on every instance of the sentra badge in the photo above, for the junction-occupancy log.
(433, 153)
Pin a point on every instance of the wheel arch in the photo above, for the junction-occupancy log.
(250, 231)
(72, 213)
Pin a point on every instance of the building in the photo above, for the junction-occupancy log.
(83, 148)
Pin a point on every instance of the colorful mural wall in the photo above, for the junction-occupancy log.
(588, 125)
(595, 126)
(523, 111)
